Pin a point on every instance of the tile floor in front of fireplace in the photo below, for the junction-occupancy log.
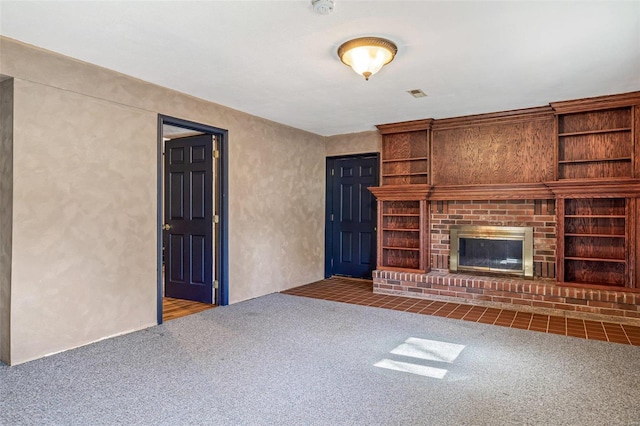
(360, 292)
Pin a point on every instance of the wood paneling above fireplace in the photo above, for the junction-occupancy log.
(509, 150)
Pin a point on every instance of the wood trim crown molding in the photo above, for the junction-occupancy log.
(514, 116)
(405, 126)
(503, 117)
(597, 103)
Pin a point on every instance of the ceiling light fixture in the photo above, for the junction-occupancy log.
(367, 55)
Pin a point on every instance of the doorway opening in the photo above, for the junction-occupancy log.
(192, 231)
(351, 218)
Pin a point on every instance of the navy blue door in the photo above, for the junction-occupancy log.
(351, 221)
(188, 218)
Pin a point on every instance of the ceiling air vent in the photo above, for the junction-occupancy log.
(417, 93)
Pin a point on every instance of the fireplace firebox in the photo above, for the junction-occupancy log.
(492, 249)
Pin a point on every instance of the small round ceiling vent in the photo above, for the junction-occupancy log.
(323, 7)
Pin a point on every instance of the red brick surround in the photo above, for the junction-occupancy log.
(542, 296)
(539, 214)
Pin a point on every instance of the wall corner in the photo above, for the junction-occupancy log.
(6, 214)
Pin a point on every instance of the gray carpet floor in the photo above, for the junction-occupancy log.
(287, 360)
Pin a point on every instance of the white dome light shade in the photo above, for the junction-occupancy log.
(367, 55)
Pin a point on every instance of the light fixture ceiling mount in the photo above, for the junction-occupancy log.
(367, 55)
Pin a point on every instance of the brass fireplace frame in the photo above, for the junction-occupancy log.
(512, 233)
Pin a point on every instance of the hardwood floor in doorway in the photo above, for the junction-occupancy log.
(176, 308)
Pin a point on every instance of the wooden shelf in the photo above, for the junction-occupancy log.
(398, 160)
(594, 160)
(405, 174)
(595, 235)
(595, 132)
(594, 259)
(402, 248)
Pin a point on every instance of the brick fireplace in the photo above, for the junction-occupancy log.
(569, 170)
(538, 214)
(541, 294)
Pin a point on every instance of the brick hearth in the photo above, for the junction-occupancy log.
(537, 295)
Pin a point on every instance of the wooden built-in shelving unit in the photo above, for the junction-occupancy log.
(584, 154)
(597, 231)
(403, 219)
(596, 190)
(403, 223)
(401, 234)
(596, 144)
(595, 241)
(405, 153)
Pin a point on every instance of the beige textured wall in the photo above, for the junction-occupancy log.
(85, 200)
(84, 206)
(353, 143)
(6, 213)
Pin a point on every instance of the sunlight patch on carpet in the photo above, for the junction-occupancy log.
(422, 350)
(406, 367)
(430, 350)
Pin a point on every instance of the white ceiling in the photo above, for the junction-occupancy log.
(277, 59)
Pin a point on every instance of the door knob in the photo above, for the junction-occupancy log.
(166, 227)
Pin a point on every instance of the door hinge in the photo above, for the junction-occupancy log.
(215, 284)
(331, 217)
(216, 218)
(216, 153)
(333, 172)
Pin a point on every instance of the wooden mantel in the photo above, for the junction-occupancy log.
(515, 191)
(578, 188)
(600, 188)
(401, 192)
